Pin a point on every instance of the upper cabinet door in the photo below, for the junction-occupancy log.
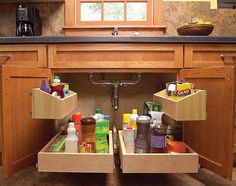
(115, 56)
(23, 137)
(212, 139)
(205, 55)
(30, 55)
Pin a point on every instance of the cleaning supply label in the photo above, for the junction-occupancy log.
(158, 141)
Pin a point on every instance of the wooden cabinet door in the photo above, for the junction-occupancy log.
(212, 139)
(23, 137)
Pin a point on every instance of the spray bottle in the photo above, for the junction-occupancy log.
(158, 133)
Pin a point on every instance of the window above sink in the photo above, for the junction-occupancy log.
(132, 16)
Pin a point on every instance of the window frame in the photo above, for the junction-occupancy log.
(149, 20)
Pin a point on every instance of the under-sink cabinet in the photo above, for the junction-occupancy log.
(210, 141)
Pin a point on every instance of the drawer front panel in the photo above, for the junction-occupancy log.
(24, 55)
(76, 162)
(115, 56)
(204, 55)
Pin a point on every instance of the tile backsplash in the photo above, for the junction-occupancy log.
(175, 15)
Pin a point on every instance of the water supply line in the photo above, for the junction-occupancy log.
(115, 84)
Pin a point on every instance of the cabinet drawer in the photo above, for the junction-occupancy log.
(110, 55)
(23, 55)
(203, 55)
(76, 162)
(158, 162)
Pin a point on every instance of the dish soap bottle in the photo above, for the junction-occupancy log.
(158, 137)
(71, 141)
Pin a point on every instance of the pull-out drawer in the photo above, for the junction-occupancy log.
(157, 162)
(203, 55)
(112, 55)
(76, 162)
(24, 55)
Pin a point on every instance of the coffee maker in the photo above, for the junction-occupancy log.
(28, 21)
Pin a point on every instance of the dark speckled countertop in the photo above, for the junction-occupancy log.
(117, 39)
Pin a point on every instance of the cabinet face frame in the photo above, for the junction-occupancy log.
(115, 56)
(200, 55)
(10, 55)
(28, 153)
(198, 134)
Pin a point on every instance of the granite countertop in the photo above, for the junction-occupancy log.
(118, 39)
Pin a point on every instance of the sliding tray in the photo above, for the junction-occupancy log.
(76, 162)
(46, 106)
(157, 162)
(187, 108)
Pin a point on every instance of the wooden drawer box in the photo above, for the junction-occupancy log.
(158, 162)
(24, 55)
(46, 106)
(76, 162)
(187, 108)
(112, 55)
(203, 55)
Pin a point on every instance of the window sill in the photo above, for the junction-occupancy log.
(106, 30)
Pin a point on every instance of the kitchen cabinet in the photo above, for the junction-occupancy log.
(22, 136)
(24, 55)
(117, 56)
(204, 55)
(212, 139)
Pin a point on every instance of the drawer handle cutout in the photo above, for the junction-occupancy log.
(4, 57)
(233, 56)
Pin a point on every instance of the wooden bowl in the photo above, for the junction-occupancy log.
(195, 29)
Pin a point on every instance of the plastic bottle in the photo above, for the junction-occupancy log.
(88, 131)
(133, 118)
(76, 118)
(142, 142)
(98, 112)
(126, 118)
(158, 137)
(71, 141)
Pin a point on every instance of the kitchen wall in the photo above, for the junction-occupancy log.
(175, 15)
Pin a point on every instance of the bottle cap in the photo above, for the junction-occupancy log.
(134, 111)
(143, 119)
(76, 117)
(126, 117)
(98, 111)
(71, 125)
(106, 117)
(129, 127)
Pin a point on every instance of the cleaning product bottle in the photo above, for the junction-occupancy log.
(71, 141)
(126, 118)
(158, 137)
(76, 118)
(98, 112)
(132, 120)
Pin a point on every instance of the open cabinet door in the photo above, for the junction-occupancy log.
(22, 136)
(212, 139)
